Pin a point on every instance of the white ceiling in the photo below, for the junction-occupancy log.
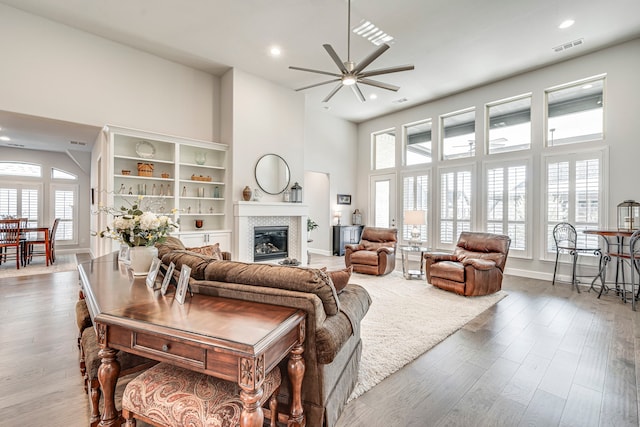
(454, 45)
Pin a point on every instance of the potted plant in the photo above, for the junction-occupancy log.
(311, 225)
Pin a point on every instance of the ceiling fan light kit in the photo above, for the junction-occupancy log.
(351, 73)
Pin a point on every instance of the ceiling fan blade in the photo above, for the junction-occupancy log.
(379, 84)
(332, 53)
(358, 92)
(316, 71)
(369, 59)
(333, 92)
(387, 70)
(318, 84)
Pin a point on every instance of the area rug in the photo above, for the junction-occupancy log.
(38, 266)
(407, 318)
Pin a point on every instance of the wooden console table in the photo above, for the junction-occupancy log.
(230, 339)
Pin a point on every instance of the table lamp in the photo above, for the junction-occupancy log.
(416, 219)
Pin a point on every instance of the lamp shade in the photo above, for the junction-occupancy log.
(414, 217)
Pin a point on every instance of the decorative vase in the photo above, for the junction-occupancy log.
(246, 193)
(201, 157)
(140, 258)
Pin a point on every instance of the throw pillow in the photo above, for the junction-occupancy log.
(340, 278)
(210, 250)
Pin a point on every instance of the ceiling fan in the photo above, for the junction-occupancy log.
(351, 73)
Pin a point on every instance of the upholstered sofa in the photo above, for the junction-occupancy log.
(474, 268)
(332, 345)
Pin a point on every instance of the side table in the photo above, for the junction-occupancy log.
(406, 271)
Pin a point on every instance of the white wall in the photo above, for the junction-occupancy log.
(265, 118)
(51, 70)
(622, 102)
(329, 147)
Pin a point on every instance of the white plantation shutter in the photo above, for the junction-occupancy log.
(8, 202)
(30, 206)
(415, 196)
(574, 188)
(63, 209)
(506, 203)
(455, 204)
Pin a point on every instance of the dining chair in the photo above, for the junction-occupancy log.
(47, 251)
(634, 256)
(566, 241)
(10, 238)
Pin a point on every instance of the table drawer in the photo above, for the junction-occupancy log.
(170, 349)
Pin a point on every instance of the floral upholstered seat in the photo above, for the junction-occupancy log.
(167, 395)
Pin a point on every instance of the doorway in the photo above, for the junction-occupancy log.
(317, 197)
(383, 200)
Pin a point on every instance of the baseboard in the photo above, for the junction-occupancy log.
(319, 251)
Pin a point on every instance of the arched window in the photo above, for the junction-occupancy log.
(60, 174)
(21, 169)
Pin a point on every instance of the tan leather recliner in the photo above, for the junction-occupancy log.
(474, 268)
(376, 252)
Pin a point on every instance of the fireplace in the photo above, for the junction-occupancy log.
(270, 242)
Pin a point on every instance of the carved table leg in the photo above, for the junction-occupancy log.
(296, 370)
(108, 376)
(252, 415)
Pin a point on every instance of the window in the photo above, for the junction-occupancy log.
(455, 204)
(20, 200)
(507, 205)
(417, 143)
(20, 169)
(574, 195)
(60, 174)
(415, 196)
(509, 125)
(575, 113)
(459, 134)
(64, 206)
(384, 149)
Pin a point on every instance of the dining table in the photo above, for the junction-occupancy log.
(616, 245)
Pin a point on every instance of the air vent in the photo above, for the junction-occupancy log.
(569, 45)
(77, 143)
(400, 101)
(15, 145)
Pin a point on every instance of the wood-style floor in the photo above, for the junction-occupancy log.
(543, 356)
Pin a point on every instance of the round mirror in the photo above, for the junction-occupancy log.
(272, 174)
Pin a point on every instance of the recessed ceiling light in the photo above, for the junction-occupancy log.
(5, 138)
(566, 24)
(373, 96)
(275, 51)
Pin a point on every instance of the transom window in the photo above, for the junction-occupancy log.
(458, 134)
(418, 143)
(509, 125)
(575, 112)
(384, 149)
(60, 174)
(20, 169)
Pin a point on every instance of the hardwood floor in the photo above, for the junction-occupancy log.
(543, 356)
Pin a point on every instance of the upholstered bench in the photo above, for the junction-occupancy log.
(170, 396)
(129, 363)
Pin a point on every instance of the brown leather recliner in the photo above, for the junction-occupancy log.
(474, 268)
(376, 252)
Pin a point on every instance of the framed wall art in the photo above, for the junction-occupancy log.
(344, 199)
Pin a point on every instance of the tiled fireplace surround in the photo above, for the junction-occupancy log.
(248, 215)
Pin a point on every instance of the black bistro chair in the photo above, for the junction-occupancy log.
(566, 242)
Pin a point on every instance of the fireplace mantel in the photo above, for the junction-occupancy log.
(248, 215)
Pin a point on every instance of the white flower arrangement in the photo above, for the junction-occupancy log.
(133, 227)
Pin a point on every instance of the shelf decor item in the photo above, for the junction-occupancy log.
(145, 169)
(164, 175)
(145, 150)
(126, 172)
(200, 178)
(201, 157)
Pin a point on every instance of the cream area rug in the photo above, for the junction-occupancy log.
(64, 262)
(407, 318)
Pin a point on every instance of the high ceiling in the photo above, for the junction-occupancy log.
(454, 45)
